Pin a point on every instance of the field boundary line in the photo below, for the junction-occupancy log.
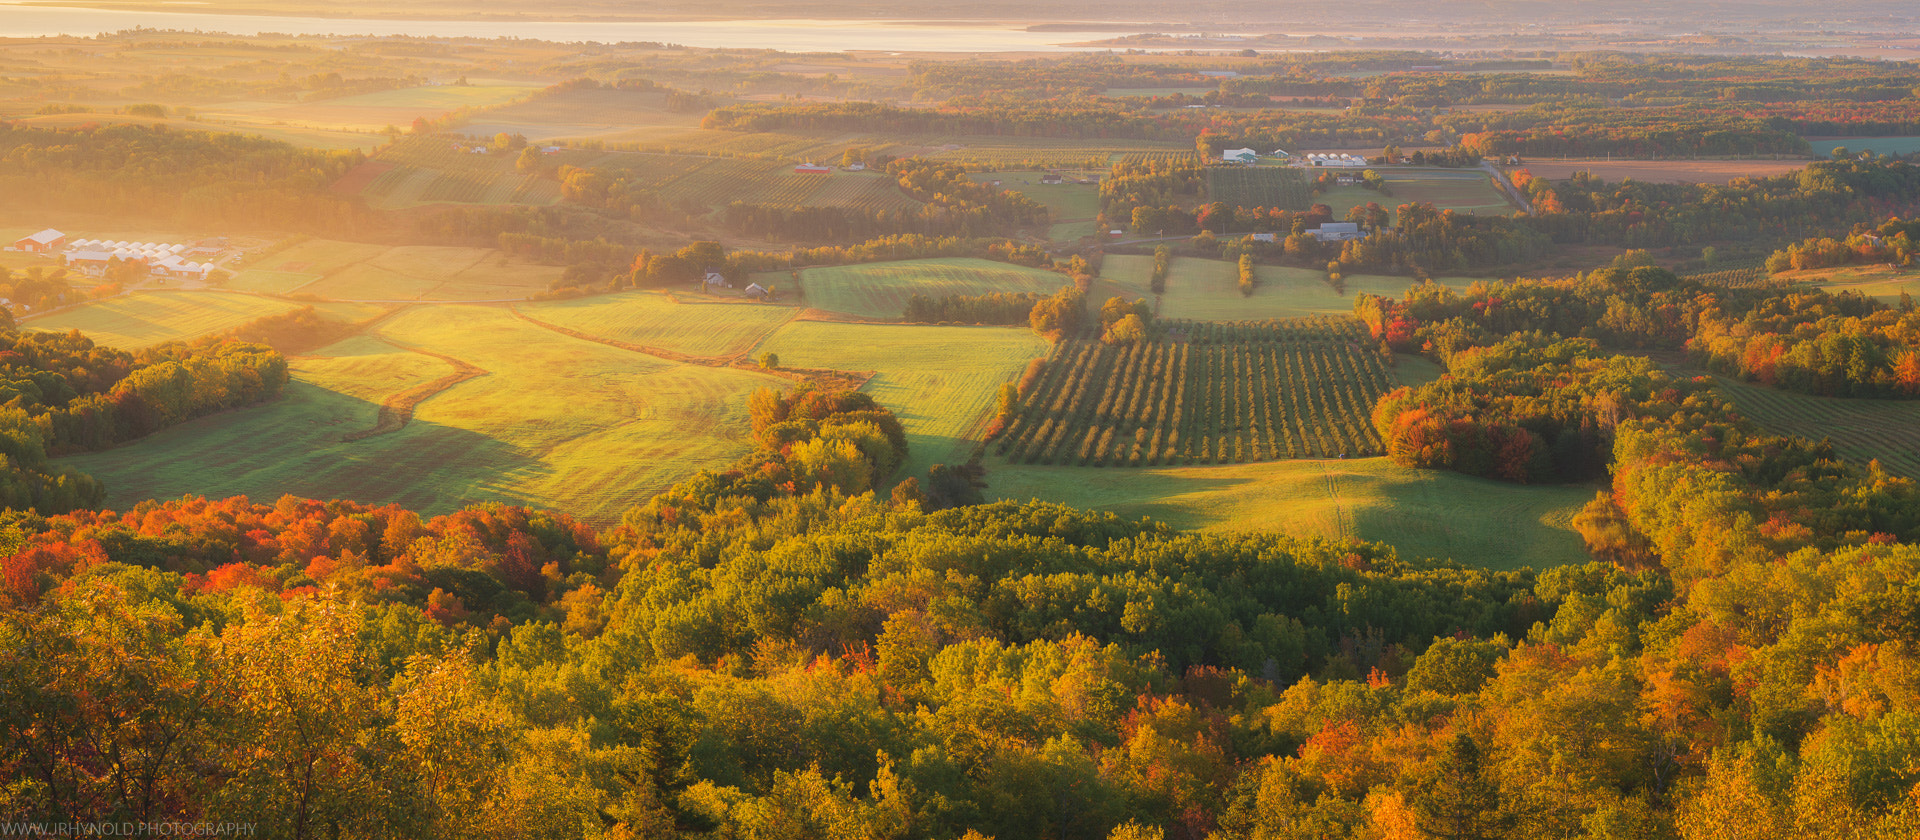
(396, 411)
(737, 361)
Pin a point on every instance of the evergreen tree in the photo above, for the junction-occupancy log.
(1455, 800)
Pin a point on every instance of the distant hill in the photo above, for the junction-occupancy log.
(1365, 14)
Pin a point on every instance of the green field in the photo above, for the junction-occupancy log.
(1423, 513)
(652, 319)
(146, 318)
(358, 271)
(555, 421)
(1073, 208)
(939, 380)
(268, 282)
(1466, 191)
(1861, 430)
(1209, 290)
(881, 290)
(1875, 281)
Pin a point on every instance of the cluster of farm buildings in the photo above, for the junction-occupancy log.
(1249, 156)
(94, 256)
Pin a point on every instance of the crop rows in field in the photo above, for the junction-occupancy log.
(1738, 278)
(1259, 186)
(1207, 393)
(1150, 157)
(862, 193)
(444, 155)
(652, 171)
(1862, 430)
(723, 181)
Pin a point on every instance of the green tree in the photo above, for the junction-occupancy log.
(1454, 799)
(529, 162)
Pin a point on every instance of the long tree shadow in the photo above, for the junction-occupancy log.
(297, 445)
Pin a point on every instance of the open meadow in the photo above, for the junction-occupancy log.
(360, 271)
(142, 319)
(550, 420)
(1072, 207)
(1881, 282)
(881, 290)
(655, 319)
(1461, 190)
(1209, 290)
(940, 381)
(1421, 513)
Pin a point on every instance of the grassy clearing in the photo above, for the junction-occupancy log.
(1422, 513)
(1861, 430)
(1465, 191)
(651, 319)
(939, 380)
(269, 282)
(1209, 290)
(1072, 207)
(367, 368)
(881, 290)
(1881, 282)
(556, 422)
(318, 256)
(354, 271)
(147, 318)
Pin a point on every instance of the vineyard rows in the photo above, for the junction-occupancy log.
(877, 192)
(1149, 157)
(1207, 393)
(1259, 186)
(1738, 278)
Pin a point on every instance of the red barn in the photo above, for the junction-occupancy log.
(44, 242)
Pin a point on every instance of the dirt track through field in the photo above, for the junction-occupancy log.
(397, 410)
(834, 378)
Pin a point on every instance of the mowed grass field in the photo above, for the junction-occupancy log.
(1881, 282)
(143, 319)
(555, 422)
(653, 319)
(1861, 430)
(359, 271)
(1422, 513)
(940, 381)
(881, 290)
(1071, 207)
(1466, 191)
(1209, 290)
